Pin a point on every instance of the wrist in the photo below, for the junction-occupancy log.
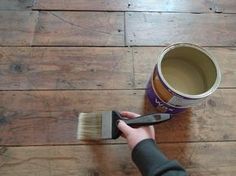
(147, 156)
(134, 144)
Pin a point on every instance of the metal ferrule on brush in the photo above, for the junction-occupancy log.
(106, 125)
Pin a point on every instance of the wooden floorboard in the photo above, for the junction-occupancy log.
(43, 68)
(225, 6)
(201, 6)
(146, 57)
(50, 117)
(62, 57)
(205, 159)
(161, 29)
(124, 5)
(17, 27)
(79, 29)
(40, 68)
(16, 4)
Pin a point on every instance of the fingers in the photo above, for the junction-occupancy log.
(124, 128)
(129, 114)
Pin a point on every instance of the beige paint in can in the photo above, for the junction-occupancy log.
(184, 75)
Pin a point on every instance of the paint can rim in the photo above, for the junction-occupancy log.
(194, 46)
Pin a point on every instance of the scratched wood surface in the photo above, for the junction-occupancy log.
(203, 159)
(80, 29)
(225, 6)
(17, 27)
(200, 6)
(50, 117)
(166, 28)
(124, 5)
(41, 68)
(16, 4)
(65, 68)
(59, 58)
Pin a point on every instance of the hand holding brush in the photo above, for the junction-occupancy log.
(145, 153)
(135, 135)
(103, 125)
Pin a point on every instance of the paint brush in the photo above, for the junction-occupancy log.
(103, 125)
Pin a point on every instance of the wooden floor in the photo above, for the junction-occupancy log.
(59, 58)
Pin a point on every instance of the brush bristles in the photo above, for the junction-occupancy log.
(90, 126)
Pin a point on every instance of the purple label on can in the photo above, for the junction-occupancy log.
(158, 103)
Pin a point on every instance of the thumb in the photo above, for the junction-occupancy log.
(124, 128)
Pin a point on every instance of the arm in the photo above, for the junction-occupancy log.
(145, 153)
(151, 161)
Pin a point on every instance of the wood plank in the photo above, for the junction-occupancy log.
(16, 4)
(101, 5)
(145, 58)
(50, 117)
(205, 159)
(17, 27)
(83, 68)
(225, 6)
(172, 6)
(65, 68)
(80, 29)
(162, 29)
(124, 5)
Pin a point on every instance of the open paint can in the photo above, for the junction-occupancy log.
(185, 74)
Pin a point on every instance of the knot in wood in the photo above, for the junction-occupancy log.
(211, 102)
(2, 119)
(17, 68)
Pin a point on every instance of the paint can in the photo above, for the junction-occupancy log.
(184, 75)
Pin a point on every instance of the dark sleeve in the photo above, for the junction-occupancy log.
(152, 162)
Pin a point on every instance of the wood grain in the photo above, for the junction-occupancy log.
(80, 29)
(225, 6)
(17, 27)
(205, 159)
(162, 29)
(43, 88)
(24, 68)
(146, 57)
(90, 68)
(16, 4)
(172, 6)
(124, 5)
(101, 5)
(50, 117)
